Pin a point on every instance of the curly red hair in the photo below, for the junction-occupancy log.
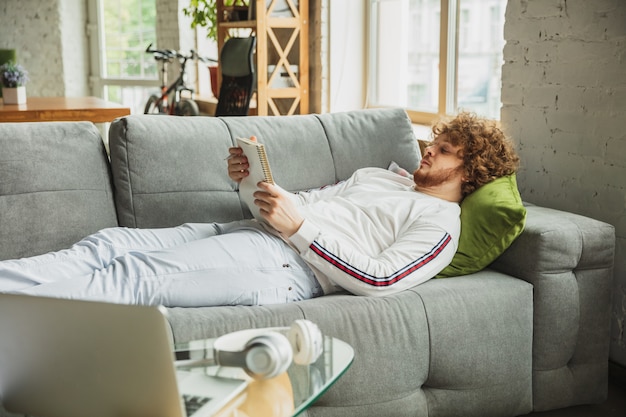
(486, 151)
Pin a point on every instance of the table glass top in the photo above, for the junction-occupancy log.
(289, 393)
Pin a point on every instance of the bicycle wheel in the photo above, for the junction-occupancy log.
(153, 105)
(187, 107)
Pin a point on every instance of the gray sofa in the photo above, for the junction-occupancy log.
(530, 332)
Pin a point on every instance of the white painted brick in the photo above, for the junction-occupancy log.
(513, 94)
(544, 8)
(578, 143)
(583, 73)
(607, 124)
(520, 73)
(601, 20)
(570, 99)
(615, 151)
(543, 96)
(22, 22)
(574, 51)
(514, 51)
(540, 52)
(563, 88)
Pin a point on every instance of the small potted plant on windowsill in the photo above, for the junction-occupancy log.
(203, 13)
(14, 78)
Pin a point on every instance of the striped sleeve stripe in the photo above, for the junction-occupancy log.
(381, 281)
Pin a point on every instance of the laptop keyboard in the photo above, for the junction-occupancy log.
(193, 403)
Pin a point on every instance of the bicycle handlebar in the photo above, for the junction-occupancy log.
(168, 54)
(206, 59)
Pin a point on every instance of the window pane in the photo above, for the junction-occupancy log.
(406, 69)
(405, 65)
(481, 40)
(129, 27)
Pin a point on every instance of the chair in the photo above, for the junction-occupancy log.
(238, 77)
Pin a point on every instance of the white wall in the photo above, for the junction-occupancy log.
(564, 102)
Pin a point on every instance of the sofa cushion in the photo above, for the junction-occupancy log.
(55, 186)
(370, 138)
(480, 329)
(169, 170)
(449, 345)
(492, 217)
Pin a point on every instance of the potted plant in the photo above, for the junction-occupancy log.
(203, 13)
(13, 77)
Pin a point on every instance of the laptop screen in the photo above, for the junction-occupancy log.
(68, 358)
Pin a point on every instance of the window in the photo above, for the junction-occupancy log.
(120, 31)
(436, 57)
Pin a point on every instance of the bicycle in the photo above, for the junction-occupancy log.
(178, 105)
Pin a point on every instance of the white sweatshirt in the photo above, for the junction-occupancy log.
(373, 234)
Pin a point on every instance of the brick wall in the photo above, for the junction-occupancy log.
(73, 15)
(564, 101)
(50, 40)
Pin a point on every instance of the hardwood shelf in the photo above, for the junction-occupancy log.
(282, 45)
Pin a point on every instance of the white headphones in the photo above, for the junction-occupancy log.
(266, 353)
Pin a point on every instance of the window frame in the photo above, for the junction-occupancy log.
(98, 81)
(448, 58)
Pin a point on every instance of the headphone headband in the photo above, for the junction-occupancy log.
(268, 352)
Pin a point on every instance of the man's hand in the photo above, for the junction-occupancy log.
(278, 209)
(238, 163)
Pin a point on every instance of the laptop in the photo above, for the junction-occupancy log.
(68, 358)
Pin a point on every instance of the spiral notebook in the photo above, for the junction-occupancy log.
(259, 171)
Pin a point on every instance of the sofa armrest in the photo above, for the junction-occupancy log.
(568, 259)
(556, 241)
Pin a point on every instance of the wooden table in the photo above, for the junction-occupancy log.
(56, 109)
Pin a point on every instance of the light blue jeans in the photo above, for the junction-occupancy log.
(191, 265)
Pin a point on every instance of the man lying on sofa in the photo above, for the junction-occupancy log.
(375, 233)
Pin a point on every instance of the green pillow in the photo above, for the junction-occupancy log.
(492, 217)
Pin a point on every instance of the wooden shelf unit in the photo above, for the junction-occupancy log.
(282, 53)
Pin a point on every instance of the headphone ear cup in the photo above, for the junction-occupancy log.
(267, 355)
(306, 341)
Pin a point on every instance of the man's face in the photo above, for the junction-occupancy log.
(441, 164)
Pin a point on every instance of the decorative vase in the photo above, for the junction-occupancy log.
(14, 95)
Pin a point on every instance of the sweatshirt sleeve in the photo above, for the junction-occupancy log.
(325, 192)
(418, 254)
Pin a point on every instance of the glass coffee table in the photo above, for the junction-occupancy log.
(286, 395)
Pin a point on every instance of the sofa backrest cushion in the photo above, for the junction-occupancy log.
(166, 170)
(170, 170)
(55, 186)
